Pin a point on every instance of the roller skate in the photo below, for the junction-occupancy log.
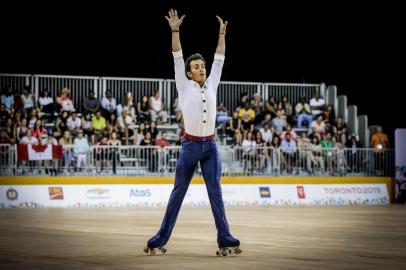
(155, 251)
(228, 246)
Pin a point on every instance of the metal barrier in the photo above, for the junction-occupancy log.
(79, 87)
(248, 161)
(292, 91)
(138, 87)
(15, 81)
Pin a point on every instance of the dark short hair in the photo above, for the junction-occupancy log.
(191, 58)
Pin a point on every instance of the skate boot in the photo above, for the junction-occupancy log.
(228, 245)
(155, 245)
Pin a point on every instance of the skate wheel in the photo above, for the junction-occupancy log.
(163, 250)
(218, 253)
(146, 250)
(224, 252)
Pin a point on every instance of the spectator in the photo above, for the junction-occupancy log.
(67, 146)
(124, 122)
(379, 140)
(60, 127)
(247, 124)
(274, 154)
(149, 153)
(28, 139)
(266, 134)
(289, 131)
(303, 113)
(243, 101)
(133, 114)
(279, 123)
(317, 104)
(98, 124)
(247, 111)
(50, 166)
(258, 106)
(271, 106)
(18, 103)
(318, 126)
(248, 145)
(22, 130)
(267, 120)
(233, 125)
(353, 160)
(4, 115)
(289, 149)
(162, 140)
(32, 118)
(4, 139)
(261, 154)
(140, 133)
(91, 104)
(126, 103)
(74, 123)
(87, 127)
(28, 99)
(80, 148)
(315, 156)
(46, 103)
(64, 101)
(143, 110)
(222, 116)
(114, 144)
(10, 131)
(287, 107)
(109, 104)
(329, 115)
(101, 152)
(177, 110)
(156, 107)
(328, 146)
(153, 130)
(7, 98)
(38, 131)
(341, 130)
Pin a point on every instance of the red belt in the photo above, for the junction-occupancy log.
(199, 139)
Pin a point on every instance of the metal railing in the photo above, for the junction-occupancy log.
(247, 161)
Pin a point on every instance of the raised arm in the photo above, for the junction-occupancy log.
(221, 46)
(174, 24)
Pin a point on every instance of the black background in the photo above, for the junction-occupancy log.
(358, 48)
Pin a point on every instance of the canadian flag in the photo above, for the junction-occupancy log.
(39, 152)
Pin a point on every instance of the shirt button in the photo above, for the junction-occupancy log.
(202, 92)
(204, 111)
(204, 121)
(204, 100)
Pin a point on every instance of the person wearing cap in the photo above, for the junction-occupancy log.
(197, 98)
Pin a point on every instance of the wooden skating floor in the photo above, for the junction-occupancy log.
(325, 237)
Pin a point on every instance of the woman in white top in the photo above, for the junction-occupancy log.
(28, 100)
(248, 145)
(46, 103)
(156, 107)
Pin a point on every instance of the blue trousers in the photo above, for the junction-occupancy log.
(191, 153)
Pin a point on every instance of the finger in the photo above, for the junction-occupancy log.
(170, 13)
(167, 18)
(181, 18)
(219, 19)
(225, 25)
(176, 13)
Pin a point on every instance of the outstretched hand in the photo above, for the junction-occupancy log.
(173, 19)
(223, 25)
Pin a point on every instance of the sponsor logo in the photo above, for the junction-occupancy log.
(12, 194)
(301, 192)
(140, 193)
(98, 193)
(55, 193)
(265, 192)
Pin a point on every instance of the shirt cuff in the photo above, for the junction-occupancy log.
(218, 56)
(177, 54)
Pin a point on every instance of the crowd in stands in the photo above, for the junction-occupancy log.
(277, 124)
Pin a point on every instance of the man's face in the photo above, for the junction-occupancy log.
(197, 71)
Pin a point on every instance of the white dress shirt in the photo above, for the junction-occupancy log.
(198, 104)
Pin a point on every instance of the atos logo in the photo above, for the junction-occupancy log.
(140, 193)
